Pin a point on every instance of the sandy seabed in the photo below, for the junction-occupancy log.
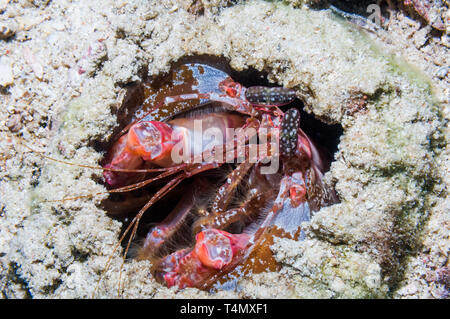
(64, 70)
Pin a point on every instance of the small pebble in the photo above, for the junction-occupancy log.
(40, 3)
(14, 123)
(442, 72)
(27, 22)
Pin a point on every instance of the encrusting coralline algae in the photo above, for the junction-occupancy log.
(70, 64)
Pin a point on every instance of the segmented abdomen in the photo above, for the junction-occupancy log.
(262, 95)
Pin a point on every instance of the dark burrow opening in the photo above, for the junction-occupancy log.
(193, 74)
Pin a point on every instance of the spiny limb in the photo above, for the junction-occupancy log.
(129, 188)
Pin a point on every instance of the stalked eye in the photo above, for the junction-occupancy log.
(288, 132)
